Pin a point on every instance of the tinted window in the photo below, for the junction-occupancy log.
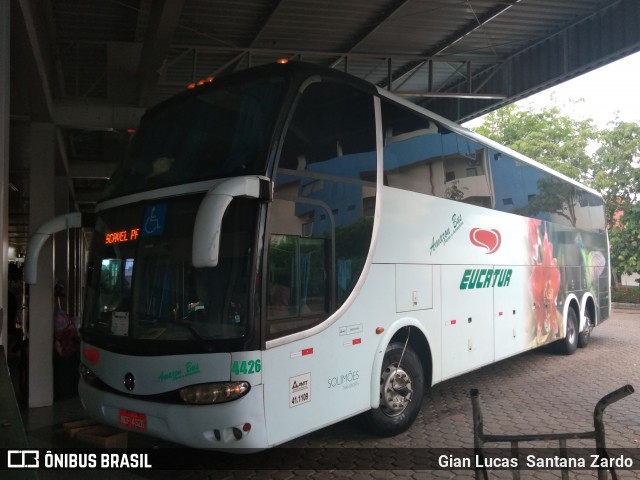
(322, 215)
(145, 296)
(468, 177)
(526, 190)
(221, 131)
(412, 150)
(423, 156)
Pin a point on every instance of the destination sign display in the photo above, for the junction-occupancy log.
(121, 236)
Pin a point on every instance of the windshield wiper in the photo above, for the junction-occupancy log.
(201, 340)
(185, 324)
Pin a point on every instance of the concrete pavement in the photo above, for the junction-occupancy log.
(535, 392)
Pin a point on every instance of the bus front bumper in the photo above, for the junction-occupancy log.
(238, 424)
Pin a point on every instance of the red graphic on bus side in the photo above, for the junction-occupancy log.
(489, 239)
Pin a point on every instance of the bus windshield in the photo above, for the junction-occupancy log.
(221, 131)
(145, 296)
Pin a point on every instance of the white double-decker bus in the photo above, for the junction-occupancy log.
(289, 246)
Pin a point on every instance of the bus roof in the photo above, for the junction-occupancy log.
(301, 70)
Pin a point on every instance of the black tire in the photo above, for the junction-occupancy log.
(399, 403)
(568, 345)
(585, 334)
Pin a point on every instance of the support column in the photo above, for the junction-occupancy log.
(41, 208)
(62, 267)
(5, 19)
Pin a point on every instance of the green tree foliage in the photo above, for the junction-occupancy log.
(554, 196)
(616, 176)
(564, 144)
(548, 136)
(614, 168)
(625, 242)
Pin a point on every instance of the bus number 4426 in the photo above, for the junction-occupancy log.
(246, 367)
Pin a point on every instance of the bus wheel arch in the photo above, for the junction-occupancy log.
(399, 380)
(420, 346)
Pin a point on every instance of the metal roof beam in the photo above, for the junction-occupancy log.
(34, 66)
(163, 21)
(455, 37)
(96, 115)
(377, 23)
(31, 72)
(188, 48)
(332, 53)
(472, 26)
(88, 197)
(483, 96)
(572, 50)
(235, 62)
(59, 87)
(263, 23)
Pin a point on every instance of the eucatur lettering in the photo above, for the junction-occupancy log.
(485, 278)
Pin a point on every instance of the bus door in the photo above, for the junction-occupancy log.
(319, 235)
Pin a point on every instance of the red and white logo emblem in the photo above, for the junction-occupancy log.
(489, 239)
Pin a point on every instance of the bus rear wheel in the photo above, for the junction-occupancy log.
(568, 345)
(401, 391)
(585, 335)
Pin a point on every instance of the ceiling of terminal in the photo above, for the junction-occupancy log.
(91, 67)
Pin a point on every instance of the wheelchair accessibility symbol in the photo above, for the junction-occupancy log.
(154, 218)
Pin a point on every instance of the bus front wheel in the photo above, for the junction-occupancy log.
(401, 391)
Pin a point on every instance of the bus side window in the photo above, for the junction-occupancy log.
(412, 149)
(422, 156)
(511, 191)
(527, 190)
(321, 219)
(472, 183)
(297, 278)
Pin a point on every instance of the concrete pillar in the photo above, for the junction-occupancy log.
(5, 19)
(41, 209)
(62, 267)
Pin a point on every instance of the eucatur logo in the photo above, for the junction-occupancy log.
(489, 239)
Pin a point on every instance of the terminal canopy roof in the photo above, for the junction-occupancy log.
(93, 66)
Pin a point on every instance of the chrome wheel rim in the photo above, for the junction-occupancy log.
(396, 390)
(571, 332)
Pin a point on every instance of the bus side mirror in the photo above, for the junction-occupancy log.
(208, 224)
(38, 239)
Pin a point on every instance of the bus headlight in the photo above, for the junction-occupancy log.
(87, 375)
(209, 393)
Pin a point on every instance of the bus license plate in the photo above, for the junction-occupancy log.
(133, 420)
